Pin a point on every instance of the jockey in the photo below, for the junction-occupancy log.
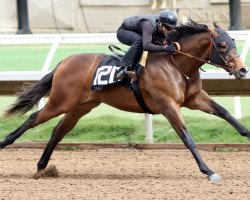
(141, 32)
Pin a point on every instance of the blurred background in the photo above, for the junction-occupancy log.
(93, 16)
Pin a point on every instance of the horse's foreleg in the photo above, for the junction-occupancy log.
(202, 101)
(173, 114)
(63, 127)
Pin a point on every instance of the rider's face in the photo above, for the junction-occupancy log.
(165, 30)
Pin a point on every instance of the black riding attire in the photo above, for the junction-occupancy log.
(141, 33)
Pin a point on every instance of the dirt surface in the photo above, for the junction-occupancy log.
(124, 174)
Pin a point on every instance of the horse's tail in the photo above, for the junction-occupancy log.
(30, 96)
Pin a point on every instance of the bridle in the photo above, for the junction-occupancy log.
(217, 58)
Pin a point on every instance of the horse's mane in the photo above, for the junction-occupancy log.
(188, 29)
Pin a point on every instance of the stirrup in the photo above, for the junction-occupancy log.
(126, 73)
(121, 75)
(130, 75)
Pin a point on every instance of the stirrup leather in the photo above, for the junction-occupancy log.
(125, 73)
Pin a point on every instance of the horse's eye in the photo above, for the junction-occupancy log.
(222, 46)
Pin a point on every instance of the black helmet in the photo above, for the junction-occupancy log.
(168, 19)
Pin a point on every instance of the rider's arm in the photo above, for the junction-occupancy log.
(147, 32)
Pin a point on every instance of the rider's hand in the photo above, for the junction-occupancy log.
(165, 43)
(170, 48)
(173, 47)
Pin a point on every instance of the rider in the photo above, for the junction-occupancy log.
(140, 32)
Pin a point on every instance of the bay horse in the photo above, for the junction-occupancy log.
(168, 82)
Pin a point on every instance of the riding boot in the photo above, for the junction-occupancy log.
(129, 59)
(127, 72)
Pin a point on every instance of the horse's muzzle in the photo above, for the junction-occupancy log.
(241, 73)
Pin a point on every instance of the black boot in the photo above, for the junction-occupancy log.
(129, 60)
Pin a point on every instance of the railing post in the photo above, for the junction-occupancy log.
(149, 128)
(51, 53)
(237, 107)
(23, 17)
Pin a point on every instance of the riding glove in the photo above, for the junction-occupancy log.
(170, 48)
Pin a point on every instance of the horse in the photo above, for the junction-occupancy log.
(168, 82)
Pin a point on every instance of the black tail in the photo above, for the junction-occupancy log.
(30, 96)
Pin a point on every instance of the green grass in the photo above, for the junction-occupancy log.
(32, 57)
(109, 125)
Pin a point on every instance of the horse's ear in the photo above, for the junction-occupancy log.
(213, 32)
(216, 25)
(192, 21)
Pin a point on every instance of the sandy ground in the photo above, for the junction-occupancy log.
(124, 174)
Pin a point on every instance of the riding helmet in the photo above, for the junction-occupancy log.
(168, 19)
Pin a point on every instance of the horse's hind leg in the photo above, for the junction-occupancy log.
(9, 139)
(67, 123)
(34, 119)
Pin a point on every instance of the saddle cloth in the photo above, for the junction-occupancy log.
(106, 72)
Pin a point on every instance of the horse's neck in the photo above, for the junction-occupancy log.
(197, 46)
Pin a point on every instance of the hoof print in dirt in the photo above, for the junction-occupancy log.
(47, 173)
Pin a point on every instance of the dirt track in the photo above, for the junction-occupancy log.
(124, 174)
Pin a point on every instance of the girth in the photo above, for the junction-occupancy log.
(137, 92)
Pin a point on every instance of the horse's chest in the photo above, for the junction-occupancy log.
(192, 88)
(181, 90)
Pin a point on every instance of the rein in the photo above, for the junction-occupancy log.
(228, 66)
(199, 59)
(187, 78)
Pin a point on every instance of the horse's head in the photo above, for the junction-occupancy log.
(224, 53)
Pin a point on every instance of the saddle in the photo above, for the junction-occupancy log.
(107, 70)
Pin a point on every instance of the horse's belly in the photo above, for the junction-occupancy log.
(120, 98)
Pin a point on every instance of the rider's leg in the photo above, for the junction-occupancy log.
(135, 41)
(133, 53)
(127, 37)
(130, 58)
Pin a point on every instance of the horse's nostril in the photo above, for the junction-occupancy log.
(243, 71)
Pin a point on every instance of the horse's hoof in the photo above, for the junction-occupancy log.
(214, 177)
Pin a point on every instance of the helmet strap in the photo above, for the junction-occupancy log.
(160, 26)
